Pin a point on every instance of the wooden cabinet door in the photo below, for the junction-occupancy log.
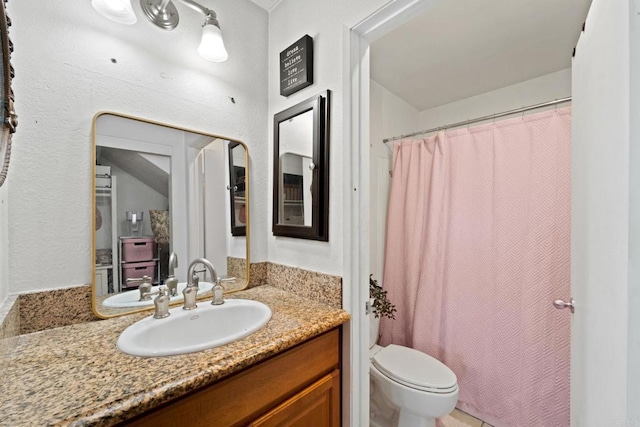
(262, 389)
(316, 406)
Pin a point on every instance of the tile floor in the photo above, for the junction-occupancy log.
(468, 419)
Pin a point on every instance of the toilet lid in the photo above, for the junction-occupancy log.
(415, 369)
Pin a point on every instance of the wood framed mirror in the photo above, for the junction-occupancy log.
(159, 189)
(8, 117)
(301, 170)
(237, 189)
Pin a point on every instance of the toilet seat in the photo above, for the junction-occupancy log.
(415, 369)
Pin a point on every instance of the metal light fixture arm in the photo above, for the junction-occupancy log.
(164, 14)
(208, 13)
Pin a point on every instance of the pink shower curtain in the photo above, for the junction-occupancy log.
(478, 247)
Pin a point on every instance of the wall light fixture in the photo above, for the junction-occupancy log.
(163, 14)
(116, 10)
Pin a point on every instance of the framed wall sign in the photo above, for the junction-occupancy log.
(296, 66)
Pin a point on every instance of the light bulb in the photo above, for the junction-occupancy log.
(117, 10)
(212, 46)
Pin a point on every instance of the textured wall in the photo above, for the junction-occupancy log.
(600, 223)
(65, 74)
(529, 92)
(4, 243)
(633, 373)
(390, 116)
(325, 21)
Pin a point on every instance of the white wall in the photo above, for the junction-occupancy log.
(328, 22)
(602, 239)
(535, 91)
(325, 22)
(389, 116)
(633, 391)
(64, 75)
(217, 210)
(4, 243)
(136, 196)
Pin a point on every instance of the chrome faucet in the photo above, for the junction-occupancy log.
(191, 290)
(144, 288)
(173, 261)
(208, 266)
(171, 282)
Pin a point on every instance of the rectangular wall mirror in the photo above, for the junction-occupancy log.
(237, 187)
(301, 170)
(160, 189)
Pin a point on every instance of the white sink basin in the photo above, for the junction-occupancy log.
(188, 331)
(130, 298)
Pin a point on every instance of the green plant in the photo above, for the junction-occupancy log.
(382, 307)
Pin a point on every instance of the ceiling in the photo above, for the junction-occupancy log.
(139, 165)
(462, 48)
(266, 4)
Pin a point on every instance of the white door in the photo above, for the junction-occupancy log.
(600, 218)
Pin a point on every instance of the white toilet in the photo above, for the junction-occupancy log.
(408, 388)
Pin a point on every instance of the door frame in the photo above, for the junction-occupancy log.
(356, 100)
(357, 40)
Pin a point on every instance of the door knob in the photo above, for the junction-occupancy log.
(559, 304)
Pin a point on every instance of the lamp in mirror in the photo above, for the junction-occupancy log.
(301, 170)
(158, 190)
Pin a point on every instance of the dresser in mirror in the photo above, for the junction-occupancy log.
(161, 189)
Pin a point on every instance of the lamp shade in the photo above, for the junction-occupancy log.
(117, 10)
(212, 46)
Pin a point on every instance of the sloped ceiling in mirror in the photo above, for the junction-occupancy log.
(149, 169)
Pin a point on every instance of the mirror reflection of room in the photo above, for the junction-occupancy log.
(161, 194)
(301, 170)
(296, 164)
(132, 218)
(237, 187)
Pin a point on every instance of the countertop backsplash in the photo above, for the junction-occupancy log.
(103, 386)
(10, 318)
(38, 311)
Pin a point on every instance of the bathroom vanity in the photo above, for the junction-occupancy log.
(75, 375)
(301, 383)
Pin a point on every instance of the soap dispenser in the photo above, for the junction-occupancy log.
(171, 282)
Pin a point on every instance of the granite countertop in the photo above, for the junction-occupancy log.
(75, 375)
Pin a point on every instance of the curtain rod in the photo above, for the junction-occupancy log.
(480, 119)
